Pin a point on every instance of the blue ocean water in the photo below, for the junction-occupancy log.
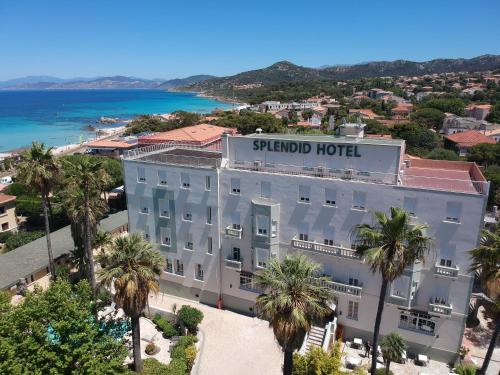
(59, 117)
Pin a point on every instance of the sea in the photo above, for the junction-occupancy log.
(61, 117)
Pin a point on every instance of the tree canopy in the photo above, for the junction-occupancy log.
(431, 118)
(418, 138)
(62, 339)
(448, 104)
(248, 121)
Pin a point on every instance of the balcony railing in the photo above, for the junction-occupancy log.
(446, 271)
(234, 264)
(342, 288)
(325, 249)
(233, 232)
(441, 309)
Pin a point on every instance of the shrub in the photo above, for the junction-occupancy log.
(190, 356)
(150, 348)
(154, 367)
(4, 236)
(22, 238)
(165, 326)
(382, 371)
(190, 317)
(466, 369)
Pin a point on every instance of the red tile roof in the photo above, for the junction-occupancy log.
(4, 198)
(110, 144)
(197, 134)
(469, 138)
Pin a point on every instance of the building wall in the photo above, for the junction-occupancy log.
(355, 202)
(8, 221)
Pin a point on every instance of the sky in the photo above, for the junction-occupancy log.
(170, 39)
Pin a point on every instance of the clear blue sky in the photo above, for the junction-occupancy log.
(167, 39)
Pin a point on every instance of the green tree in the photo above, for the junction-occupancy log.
(485, 260)
(494, 115)
(132, 265)
(450, 105)
(307, 114)
(485, 154)
(318, 362)
(86, 180)
(375, 127)
(431, 118)
(63, 337)
(442, 154)
(189, 317)
(392, 346)
(41, 170)
(389, 246)
(417, 137)
(492, 174)
(293, 298)
(102, 240)
(22, 238)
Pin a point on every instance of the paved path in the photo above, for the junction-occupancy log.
(233, 344)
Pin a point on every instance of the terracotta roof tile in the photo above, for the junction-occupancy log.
(203, 133)
(469, 138)
(4, 198)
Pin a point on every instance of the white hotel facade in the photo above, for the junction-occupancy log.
(218, 217)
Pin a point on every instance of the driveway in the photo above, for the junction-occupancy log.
(231, 343)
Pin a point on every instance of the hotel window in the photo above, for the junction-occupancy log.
(262, 256)
(265, 189)
(354, 281)
(330, 197)
(179, 267)
(209, 245)
(274, 228)
(162, 178)
(146, 232)
(185, 184)
(209, 215)
(303, 237)
(141, 175)
(2, 210)
(236, 224)
(236, 254)
(188, 215)
(144, 209)
(453, 211)
(165, 236)
(417, 321)
(445, 262)
(352, 311)
(359, 200)
(164, 208)
(400, 287)
(410, 205)
(199, 272)
(262, 222)
(304, 194)
(207, 183)
(235, 186)
(169, 266)
(188, 245)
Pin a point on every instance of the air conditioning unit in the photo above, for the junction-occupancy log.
(321, 170)
(257, 164)
(348, 173)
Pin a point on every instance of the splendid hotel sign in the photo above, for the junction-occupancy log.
(306, 148)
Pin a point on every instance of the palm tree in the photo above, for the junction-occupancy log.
(132, 266)
(393, 347)
(389, 246)
(41, 170)
(102, 240)
(88, 175)
(486, 261)
(293, 298)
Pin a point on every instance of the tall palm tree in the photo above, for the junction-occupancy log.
(486, 261)
(88, 175)
(102, 240)
(132, 266)
(392, 346)
(41, 170)
(389, 246)
(293, 297)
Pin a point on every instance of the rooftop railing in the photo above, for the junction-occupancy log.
(335, 250)
(343, 288)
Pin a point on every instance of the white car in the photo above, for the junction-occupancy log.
(6, 180)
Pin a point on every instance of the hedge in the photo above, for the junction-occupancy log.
(190, 317)
(165, 326)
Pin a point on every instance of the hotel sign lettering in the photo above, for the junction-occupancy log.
(306, 148)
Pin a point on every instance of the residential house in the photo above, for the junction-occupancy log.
(462, 142)
(8, 219)
(478, 111)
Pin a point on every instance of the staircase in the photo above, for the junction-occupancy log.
(315, 337)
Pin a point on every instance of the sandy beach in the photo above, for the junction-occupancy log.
(77, 147)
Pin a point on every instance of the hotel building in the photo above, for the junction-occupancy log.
(219, 216)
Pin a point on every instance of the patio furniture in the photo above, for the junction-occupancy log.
(357, 343)
(422, 359)
(352, 362)
(404, 357)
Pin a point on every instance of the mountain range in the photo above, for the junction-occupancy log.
(114, 82)
(285, 72)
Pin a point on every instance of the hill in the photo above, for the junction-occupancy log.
(285, 72)
(177, 82)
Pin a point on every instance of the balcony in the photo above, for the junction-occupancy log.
(334, 250)
(234, 264)
(440, 308)
(234, 232)
(338, 287)
(445, 271)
